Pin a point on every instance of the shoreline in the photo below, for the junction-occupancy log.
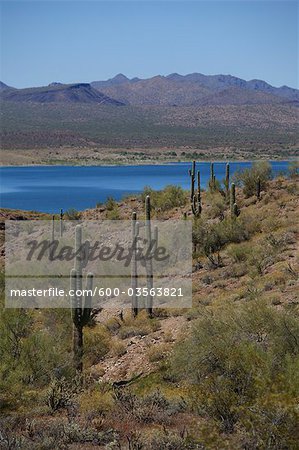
(158, 163)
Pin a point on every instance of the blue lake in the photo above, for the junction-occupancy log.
(49, 188)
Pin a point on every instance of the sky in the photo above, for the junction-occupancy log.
(83, 41)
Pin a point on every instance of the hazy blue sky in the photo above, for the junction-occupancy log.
(70, 41)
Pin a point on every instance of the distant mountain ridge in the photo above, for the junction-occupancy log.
(194, 89)
(4, 87)
(59, 93)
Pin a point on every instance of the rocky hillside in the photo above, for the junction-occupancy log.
(222, 374)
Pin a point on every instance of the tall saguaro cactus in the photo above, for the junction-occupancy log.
(149, 262)
(232, 196)
(234, 210)
(53, 229)
(81, 307)
(134, 274)
(227, 180)
(61, 222)
(258, 188)
(195, 198)
(212, 182)
(152, 242)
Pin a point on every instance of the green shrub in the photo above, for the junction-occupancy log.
(248, 177)
(235, 357)
(169, 440)
(217, 205)
(110, 204)
(112, 209)
(59, 394)
(170, 197)
(239, 252)
(152, 408)
(72, 214)
(97, 341)
(113, 214)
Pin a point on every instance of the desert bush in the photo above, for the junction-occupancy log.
(218, 235)
(112, 209)
(31, 354)
(217, 205)
(262, 256)
(239, 252)
(170, 440)
(170, 197)
(113, 215)
(97, 341)
(75, 433)
(157, 353)
(152, 408)
(236, 356)
(72, 214)
(248, 178)
(113, 325)
(60, 393)
(110, 204)
(117, 347)
(137, 326)
(198, 233)
(128, 331)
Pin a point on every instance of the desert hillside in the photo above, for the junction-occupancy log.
(223, 374)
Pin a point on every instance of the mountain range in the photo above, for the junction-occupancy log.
(189, 112)
(172, 90)
(194, 90)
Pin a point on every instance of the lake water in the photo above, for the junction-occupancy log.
(49, 188)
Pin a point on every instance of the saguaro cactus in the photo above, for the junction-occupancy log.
(258, 188)
(227, 180)
(53, 229)
(192, 176)
(234, 210)
(195, 198)
(149, 262)
(134, 274)
(232, 196)
(81, 307)
(212, 180)
(61, 222)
